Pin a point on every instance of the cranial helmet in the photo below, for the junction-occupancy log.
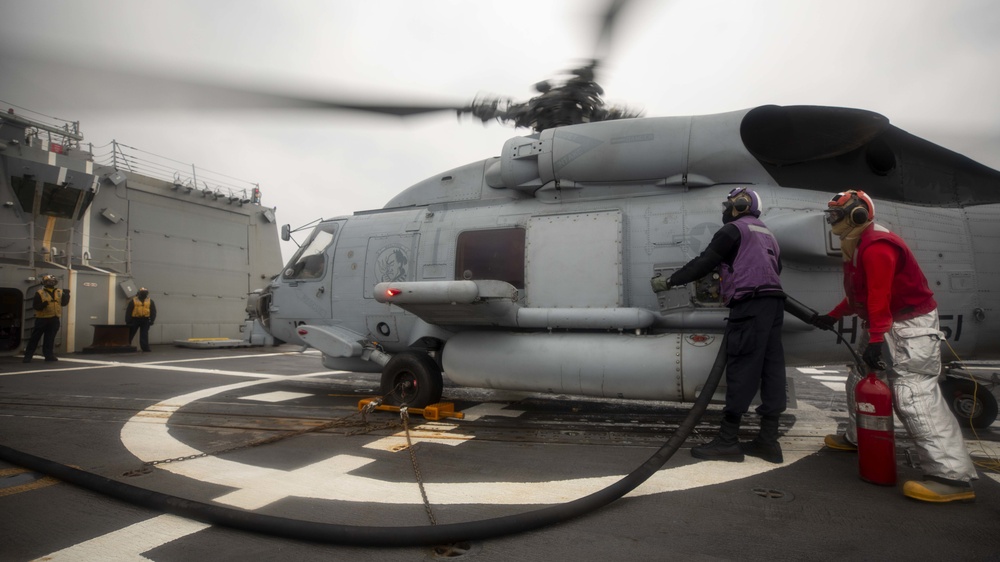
(143, 292)
(49, 281)
(853, 205)
(742, 201)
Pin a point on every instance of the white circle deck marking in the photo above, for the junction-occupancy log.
(146, 435)
(280, 396)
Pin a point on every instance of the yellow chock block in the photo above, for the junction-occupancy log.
(441, 410)
(432, 412)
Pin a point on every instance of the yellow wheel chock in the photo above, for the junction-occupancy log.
(432, 412)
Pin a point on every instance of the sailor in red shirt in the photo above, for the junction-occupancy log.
(887, 289)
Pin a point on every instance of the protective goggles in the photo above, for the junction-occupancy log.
(839, 206)
(833, 216)
(728, 203)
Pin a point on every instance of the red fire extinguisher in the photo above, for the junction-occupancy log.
(876, 440)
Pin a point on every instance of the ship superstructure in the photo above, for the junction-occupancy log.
(105, 226)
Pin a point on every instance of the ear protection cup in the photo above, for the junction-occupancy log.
(742, 203)
(859, 214)
(855, 204)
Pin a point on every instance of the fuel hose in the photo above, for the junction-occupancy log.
(808, 315)
(353, 535)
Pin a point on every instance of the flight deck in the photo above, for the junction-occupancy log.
(270, 431)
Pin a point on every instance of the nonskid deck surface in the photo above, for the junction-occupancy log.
(512, 453)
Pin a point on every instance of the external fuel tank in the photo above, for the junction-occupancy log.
(614, 365)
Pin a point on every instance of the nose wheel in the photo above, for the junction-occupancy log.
(411, 379)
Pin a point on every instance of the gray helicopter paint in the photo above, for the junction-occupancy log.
(464, 183)
(701, 210)
(605, 206)
(650, 367)
(561, 250)
(495, 303)
(664, 150)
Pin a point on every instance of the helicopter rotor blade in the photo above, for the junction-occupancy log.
(602, 48)
(136, 88)
(125, 88)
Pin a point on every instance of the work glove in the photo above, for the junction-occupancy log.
(660, 283)
(873, 356)
(824, 322)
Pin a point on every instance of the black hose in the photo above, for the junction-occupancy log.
(422, 535)
(808, 315)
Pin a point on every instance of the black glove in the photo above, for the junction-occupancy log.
(824, 322)
(873, 356)
(660, 284)
(65, 291)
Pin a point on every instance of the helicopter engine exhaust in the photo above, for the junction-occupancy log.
(610, 365)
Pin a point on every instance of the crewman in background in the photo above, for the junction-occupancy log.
(140, 315)
(48, 303)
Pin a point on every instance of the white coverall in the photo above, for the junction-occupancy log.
(915, 348)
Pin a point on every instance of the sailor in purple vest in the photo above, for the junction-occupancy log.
(749, 261)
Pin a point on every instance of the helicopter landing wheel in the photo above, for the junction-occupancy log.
(973, 407)
(411, 379)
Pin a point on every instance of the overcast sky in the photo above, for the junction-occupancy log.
(930, 66)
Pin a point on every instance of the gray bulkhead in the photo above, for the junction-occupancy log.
(103, 232)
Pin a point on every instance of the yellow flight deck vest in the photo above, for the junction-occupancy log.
(53, 308)
(140, 309)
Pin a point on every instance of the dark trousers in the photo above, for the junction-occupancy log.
(756, 358)
(47, 328)
(140, 325)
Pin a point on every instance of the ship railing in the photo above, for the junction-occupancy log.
(67, 246)
(106, 252)
(18, 247)
(9, 245)
(45, 131)
(182, 175)
(49, 140)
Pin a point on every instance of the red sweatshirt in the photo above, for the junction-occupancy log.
(883, 283)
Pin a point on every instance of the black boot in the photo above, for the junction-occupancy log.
(725, 446)
(765, 445)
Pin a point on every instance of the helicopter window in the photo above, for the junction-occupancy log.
(310, 261)
(491, 254)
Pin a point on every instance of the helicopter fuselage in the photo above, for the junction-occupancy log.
(531, 271)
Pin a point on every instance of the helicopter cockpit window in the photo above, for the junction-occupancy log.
(310, 261)
(491, 254)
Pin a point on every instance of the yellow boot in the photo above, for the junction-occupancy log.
(938, 492)
(839, 442)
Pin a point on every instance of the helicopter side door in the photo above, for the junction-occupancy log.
(574, 260)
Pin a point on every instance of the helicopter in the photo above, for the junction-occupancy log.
(530, 270)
